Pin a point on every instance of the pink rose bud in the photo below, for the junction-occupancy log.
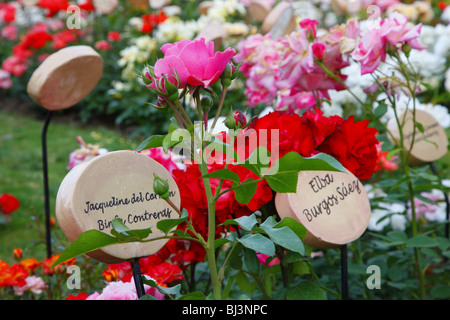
(318, 49)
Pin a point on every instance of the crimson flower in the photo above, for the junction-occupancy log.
(8, 203)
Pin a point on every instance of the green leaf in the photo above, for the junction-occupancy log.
(151, 142)
(88, 241)
(440, 291)
(244, 191)
(196, 295)
(168, 224)
(175, 290)
(123, 233)
(283, 182)
(220, 242)
(258, 243)
(381, 109)
(244, 283)
(421, 241)
(294, 225)
(294, 162)
(306, 290)
(225, 174)
(286, 238)
(245, 222)
(257, 161)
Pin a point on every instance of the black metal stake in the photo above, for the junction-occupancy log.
(137, 275)
(46, 189)
(344, 273)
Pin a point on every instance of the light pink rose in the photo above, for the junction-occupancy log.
(194, 62)
(10, 32)
(118, 290)
(33, 283)
(396, 29)
(15, 65)
(370, 51)
(5, 80)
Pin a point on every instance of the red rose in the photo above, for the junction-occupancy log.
(323, 126)
(53, 6)
(80, 296)
(294, 133)
(36, 39)
(354, 146)
(114, 36)
(8, 203)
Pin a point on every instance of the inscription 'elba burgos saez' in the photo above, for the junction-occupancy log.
(332, 199)
(115, 202)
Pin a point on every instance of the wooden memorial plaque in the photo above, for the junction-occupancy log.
(115, 185)
(65, 77)
(158, 4)
(204, 6)
(333, 207)
(105, 6)
(429, 146)
(280, 21)
(213, 31)
(258, 10)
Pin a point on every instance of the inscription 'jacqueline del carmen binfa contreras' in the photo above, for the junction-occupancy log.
(125, 205)
(334, 193)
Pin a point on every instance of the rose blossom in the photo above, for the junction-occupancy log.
(118, 290)
(5, 80)
(194, 62)
(33, 283)
(353, 144)
(103, 45)
(10, 32)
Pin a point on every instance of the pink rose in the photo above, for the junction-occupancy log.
(15, 65)
(10, 32)
(103, 45)
(396, 29)
(33, 283)
(318, 49)
(310, 26)
(5, 80)
(370, 51)
(118, 290)
(194, 62)
(262, 258)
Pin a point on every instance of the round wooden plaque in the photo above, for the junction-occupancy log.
(65, 77)
(258, 10)
(115, 185)
(158, 4)
(105, 6)
(429, 145)
(333, 207)
(279, 21)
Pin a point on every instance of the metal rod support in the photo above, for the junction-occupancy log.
(344, 273)
(137, 275)
(48, 240)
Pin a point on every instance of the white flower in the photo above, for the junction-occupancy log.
(445, 16)
(447, 80)
(376, 223)
(398, 222)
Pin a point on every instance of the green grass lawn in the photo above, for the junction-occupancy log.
(21, 174)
